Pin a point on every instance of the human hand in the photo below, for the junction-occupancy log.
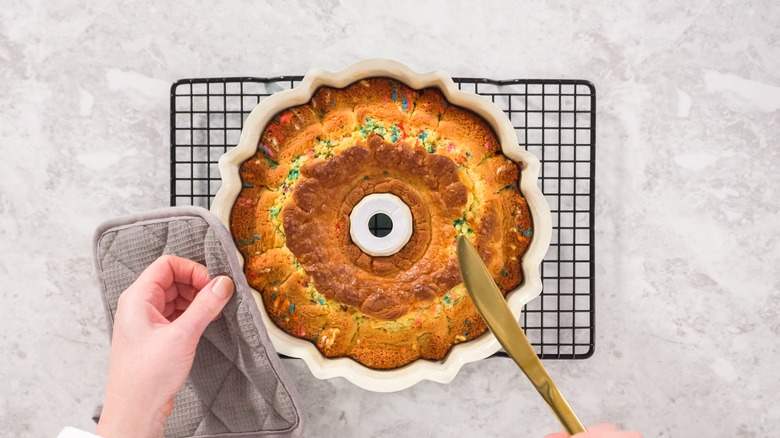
(158, 323)
(599, 431)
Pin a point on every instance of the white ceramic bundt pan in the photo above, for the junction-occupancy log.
(439, 371)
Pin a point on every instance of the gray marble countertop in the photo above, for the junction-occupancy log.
(688, 217)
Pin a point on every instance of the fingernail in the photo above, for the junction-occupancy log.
(223, 288)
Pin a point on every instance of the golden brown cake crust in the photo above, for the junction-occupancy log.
(315, 162)
(316, 226)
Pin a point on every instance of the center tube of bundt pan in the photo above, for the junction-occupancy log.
(380, 244)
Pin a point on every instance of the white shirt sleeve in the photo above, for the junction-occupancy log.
(72, 432)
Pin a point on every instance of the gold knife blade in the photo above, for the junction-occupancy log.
(499, 318)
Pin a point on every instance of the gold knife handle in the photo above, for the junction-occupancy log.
(561, 408)
(533, 368)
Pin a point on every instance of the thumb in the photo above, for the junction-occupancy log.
(206, 305)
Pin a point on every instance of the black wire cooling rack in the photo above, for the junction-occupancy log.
(554, 119)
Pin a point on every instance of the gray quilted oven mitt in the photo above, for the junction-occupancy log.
(237, 386)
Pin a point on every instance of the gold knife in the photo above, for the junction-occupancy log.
(494, 310)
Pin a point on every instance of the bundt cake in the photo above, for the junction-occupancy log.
(315, 162)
